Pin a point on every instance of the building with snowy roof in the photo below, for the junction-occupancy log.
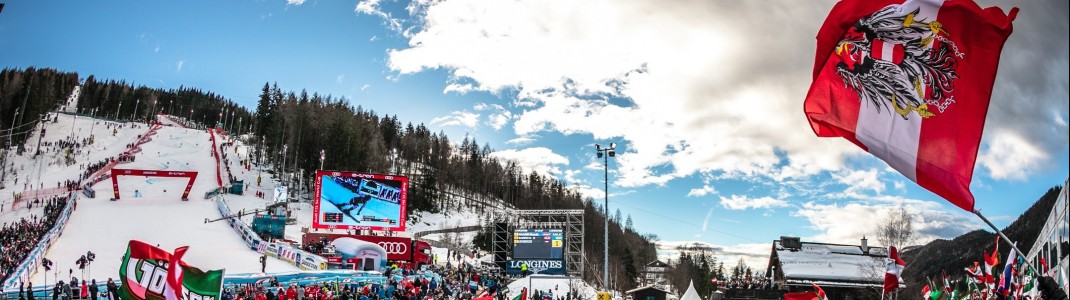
(842, 271)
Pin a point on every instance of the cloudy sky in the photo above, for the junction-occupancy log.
(702, 98)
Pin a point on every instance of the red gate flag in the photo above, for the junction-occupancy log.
(910, 83)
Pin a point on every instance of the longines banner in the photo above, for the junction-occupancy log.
(536, 266)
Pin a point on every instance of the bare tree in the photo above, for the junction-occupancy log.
(896, 228)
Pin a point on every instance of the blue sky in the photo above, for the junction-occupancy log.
(703, 98)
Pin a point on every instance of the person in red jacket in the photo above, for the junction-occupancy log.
(291, 293)
(85, 290)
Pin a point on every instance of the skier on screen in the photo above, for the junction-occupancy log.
(365, 191)
(357, 203)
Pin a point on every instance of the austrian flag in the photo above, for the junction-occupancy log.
(894, 274)
(910, 83)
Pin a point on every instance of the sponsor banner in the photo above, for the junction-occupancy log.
(536, 266)
(292, 255)
(144, 275)
(287, 253)
(313, 263)
(272, 249)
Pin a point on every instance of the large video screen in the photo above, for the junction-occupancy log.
(347, 200)
(538, 244)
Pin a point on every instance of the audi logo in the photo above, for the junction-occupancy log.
(394, 247)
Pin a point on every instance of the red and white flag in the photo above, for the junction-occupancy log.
(910, 83)
(894, 274)
(991, 260)
(173, 289)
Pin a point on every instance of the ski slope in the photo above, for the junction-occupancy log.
(158, 216)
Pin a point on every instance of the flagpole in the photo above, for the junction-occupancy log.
(1005, 239)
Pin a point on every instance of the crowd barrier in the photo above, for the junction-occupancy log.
(300, 258)
(307, 278)
(29, 265)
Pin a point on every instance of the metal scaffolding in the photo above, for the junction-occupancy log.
(571, 220)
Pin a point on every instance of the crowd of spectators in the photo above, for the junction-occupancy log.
(18, 238)
(434, 282)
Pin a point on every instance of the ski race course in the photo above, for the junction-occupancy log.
(150, 209)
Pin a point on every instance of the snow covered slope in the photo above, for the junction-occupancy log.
(157, 216)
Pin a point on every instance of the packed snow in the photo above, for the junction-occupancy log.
(149, 208)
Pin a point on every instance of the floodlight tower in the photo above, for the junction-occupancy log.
(605, 154)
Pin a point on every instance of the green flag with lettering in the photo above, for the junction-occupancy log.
(144, 276)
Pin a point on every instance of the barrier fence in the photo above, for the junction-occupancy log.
(29, 265)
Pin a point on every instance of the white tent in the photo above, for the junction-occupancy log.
(367, 256)
(691, 294)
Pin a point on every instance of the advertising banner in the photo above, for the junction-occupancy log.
(536, 266)
(358, 201)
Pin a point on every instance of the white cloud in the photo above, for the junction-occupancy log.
(900, 185)
(690, 93)
(754, 255)
(373, 38)
(498, 117)
(340, 78)
(537, 159)
(371, 7)
(847, 223)
(1010, 156)
(860, 180)
(689, 110)
(457, 118)
(706, 220)
(519, 141)
(178, 67)
(742, 202)
(588, 192)
(705, 190)
(457, 88)
(498, 120)
(365, 87)
(295, 2)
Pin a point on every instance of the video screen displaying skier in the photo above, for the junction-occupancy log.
(346, 200)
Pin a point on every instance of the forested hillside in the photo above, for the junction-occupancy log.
(25, 95)
(953, 256)
(300, 125)
(293, 128)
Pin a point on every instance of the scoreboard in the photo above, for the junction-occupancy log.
(538, 244)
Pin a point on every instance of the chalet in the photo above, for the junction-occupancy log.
(650, 292)
(842, 271)
(655, 273)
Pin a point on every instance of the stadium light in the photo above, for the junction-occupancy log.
(134, 115)
(605, 154)
(393, 160)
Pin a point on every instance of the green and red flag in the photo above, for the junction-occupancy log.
(820, 293)
(145, 276)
